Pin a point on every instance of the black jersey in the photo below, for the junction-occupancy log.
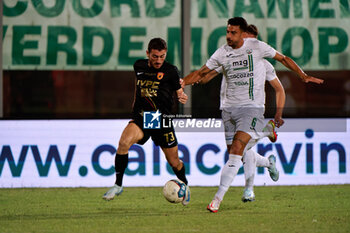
(155, 87)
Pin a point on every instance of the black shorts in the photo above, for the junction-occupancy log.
(163, 137)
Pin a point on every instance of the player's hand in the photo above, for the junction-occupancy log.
(182, 83)
(278, 121)
(182, 98)
(311, 79)
(202, 81)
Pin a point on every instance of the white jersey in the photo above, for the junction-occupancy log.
(270, 75)
(244, 73)
(270, 71)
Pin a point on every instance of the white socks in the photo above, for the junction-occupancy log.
(228, 174)
(249, 165)
(261, 161)
(251, 160)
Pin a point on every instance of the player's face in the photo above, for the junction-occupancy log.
(156, 58)
(234, 36)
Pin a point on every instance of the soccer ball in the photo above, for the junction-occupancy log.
(174, 191)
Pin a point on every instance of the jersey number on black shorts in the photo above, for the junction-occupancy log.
(169, 137)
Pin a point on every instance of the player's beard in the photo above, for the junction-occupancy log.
(157, 65)
(231, 43)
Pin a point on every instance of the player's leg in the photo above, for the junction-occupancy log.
(258, 160)
(230, 168)
(178, 167)
(228, 171)
(256, 135)
(261, 161)
(247, 121)
(131, 135)
(233, 164)
(252, 159)
(166, 139)
(171, 155)
(250, 162)
(249, 165)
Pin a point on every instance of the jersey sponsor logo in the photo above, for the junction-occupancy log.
(160, 75)
(149, 92)
(148, 88)
(150, 74)
(241, 83)
(242, 75)
(148, 83)
(240, 65)
(151, 120)
(232, 55)
(244, 64)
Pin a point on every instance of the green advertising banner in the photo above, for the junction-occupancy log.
(112, 34)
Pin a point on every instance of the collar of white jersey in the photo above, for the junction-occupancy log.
(249, 38)
(230, 49)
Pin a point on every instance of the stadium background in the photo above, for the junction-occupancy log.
(67, 65)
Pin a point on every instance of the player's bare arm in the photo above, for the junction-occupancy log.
(280, 101)
(196, 76)
(209, 76)
(290, 64)
(181, 96)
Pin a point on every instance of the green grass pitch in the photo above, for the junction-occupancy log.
(276, 209)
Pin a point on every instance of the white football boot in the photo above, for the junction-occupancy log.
(115, 190)
(214, 205)
(270, 127)
(248, 195)
(187, 197)
(274, 173)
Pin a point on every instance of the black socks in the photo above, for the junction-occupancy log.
(181, 174)
(120, 163)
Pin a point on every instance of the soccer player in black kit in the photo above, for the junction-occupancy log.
(156, 82)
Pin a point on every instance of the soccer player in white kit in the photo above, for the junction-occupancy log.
(243, 103)
(252, 159)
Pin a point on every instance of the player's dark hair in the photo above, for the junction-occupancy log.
(252, 29)
(238, 21)
(158, 44)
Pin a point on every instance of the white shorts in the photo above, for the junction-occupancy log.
(246, 119)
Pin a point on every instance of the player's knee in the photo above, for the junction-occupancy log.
(237, 147)
(124, 145)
